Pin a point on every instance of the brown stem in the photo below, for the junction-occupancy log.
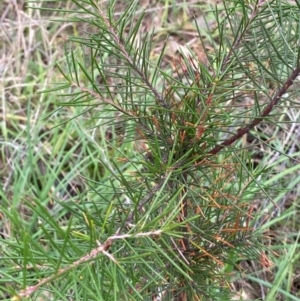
(274, 101)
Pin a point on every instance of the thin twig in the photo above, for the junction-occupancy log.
(144, 78)
(86, 258)
(101, 248)
(237, 42)
(144, 201)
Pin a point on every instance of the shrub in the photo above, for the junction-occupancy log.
(171, 216)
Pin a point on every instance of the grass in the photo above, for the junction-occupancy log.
(53, 163)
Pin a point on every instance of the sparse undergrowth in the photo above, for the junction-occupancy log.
(141, 196)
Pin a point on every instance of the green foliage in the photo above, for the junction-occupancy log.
(165, 208)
